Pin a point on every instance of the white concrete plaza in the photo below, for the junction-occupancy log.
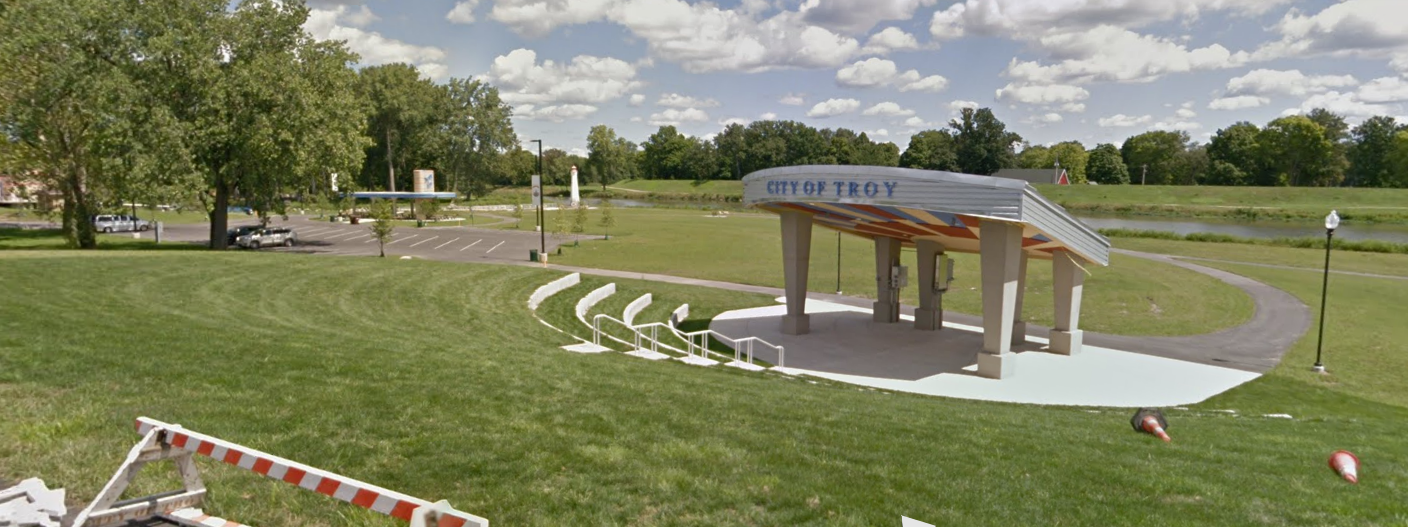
(846, 345)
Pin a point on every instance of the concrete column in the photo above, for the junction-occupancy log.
(887, 298)
(1019, 326)
(1000, 250)
(1069, 280)
(796, 258)
(930, 315)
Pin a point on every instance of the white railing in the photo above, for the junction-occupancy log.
(738, 345)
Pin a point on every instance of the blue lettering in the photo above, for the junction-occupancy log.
(871, 189)
(839, 185)
(890, 189)
(809, 188)
(794, 187)
(852, 189)
(770, 187)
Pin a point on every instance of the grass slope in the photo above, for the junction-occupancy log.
(431, 378)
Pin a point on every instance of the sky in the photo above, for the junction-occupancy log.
(1095, 71)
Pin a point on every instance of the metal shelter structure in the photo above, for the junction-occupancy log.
(1005, 221)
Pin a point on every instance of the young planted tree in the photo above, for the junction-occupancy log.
(559, 224)
(608, 219)
(579, 219)
(383, 212)
(517, 215)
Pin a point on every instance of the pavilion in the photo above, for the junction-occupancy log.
(1005, 221)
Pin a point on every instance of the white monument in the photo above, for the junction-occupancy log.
(576, 196)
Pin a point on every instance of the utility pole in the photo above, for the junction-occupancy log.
(542, 200)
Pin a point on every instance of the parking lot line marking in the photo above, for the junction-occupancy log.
(423, 241)
(369, 241)
(437, 247)
(357, 237)
(316, 230)
(476, 242)
(402, 239)
(491, 249)
(349, 233)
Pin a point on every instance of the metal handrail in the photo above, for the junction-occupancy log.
(702, 346)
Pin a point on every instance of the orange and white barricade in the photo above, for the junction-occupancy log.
(162, 441)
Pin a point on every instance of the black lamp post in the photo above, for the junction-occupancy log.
(838, 262)
(1331, 222)
(542, 199)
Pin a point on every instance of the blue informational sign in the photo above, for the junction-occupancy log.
(821, 188)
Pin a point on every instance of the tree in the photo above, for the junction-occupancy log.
(517, 215)
(608, 216)
(608, 157)
(1106, 166)
(1234, 156)
(931, 150)
(666, 154)
(1397, 161)
(1295, 151)
(983, 143)
(1336, 131)
(383, 213)
(731, 148)
(559, 223)
(402, 113)
(476, 137)
(1189, 167)
(1034, 156)
(1158, 151)
(1368, 156)
(579, 219)
(1073, 158)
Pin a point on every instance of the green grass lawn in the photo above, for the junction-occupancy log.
(1132, 296)
(1313, 259)
(431, 378)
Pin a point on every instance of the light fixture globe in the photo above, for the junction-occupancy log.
(1332, 221)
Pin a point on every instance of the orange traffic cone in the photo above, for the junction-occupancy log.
(1346, 465)
(1150, 421)
(1151, 425)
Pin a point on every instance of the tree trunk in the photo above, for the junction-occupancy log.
(83, 232)
(220, 215)
(390, 167)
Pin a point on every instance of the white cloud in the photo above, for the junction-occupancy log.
(1042, 94)
(888, 109)
(1114, 54)
(1041, 120)
(734, 120)
(833, 107)
(637, 99)
(792, 99)
(555, 113)
(1384, 89)
(1017, 17)
(1290, 82)
(586, 80)
(1362, 28)
(1239, 102)
(1120, 120)
(1347, 104)
(769, 116)
(675, 100)
(676, 117)
(327, 24)
(888, 40)
(536, 18)
(1049, 118)
(637, 119)
(1072, 107)
(856, 16)
(878, 133)
(916, 122)
(1185, 113)
(958, 106)
(1177, 125)
(463, 12)
(874, 72)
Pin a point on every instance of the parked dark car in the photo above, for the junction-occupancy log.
(232, 236)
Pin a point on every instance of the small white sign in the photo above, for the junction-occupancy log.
(537, 191)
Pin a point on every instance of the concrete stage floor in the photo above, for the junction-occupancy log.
(845, 345)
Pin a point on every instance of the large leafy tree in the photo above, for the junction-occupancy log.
(404, 113)
(1158, 152)
(666, 154)
(1368, 156)
(1295, 151)
(1072, 157)
(1233, 155)
(983, 143)
(1397, 161)
(1106, 166)
(1034, 156)
(476, 135)
(608, 156)
(931, 150)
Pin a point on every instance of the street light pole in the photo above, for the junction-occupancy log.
(1331, 222)
(542, 200)
(838, 262)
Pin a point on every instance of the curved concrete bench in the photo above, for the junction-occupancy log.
(635, 307)
(551, 288)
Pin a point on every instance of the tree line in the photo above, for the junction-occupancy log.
(1316, 149)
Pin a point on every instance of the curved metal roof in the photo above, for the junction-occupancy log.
(911, 204)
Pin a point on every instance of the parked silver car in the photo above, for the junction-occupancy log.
(268, 237)
(120, 223)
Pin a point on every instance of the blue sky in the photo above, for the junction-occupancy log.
(1089, 70)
